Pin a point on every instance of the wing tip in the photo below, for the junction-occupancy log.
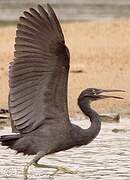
(48, 5)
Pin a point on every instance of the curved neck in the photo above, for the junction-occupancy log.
(87, 135)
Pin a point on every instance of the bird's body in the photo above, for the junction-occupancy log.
(38, 79)
(48, 140)
(53, 138)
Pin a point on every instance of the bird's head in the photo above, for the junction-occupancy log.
(93, 94)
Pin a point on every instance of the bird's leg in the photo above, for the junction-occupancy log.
(36, 164)
(26, 169)
(34, 161)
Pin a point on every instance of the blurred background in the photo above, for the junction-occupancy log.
(69, 10)
(97, 33)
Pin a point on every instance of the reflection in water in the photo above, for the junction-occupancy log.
(107, 157)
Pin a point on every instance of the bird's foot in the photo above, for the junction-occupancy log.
(66, 170)
(62, 169)
(58, 168)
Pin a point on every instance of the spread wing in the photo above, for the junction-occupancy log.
(39, 73)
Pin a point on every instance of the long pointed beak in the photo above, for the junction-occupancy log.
(113, 90)
(110, 96)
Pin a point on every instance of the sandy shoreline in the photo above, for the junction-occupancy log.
(100, 49)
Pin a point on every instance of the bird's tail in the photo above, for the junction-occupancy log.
(9, 140)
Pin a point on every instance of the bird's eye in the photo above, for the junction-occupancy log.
(94, 92)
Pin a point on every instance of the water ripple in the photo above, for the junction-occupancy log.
(107, 157)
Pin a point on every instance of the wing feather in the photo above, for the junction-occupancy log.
(39, 73)
(56, 22)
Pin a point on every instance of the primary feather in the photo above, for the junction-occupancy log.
(39, 73)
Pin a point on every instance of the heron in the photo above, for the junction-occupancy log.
(38, 81)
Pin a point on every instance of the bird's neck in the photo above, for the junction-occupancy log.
(87, 135)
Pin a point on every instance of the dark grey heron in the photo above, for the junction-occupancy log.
(38, 92)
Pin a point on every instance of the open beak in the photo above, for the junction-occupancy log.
(102, 96)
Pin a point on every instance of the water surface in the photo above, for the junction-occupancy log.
(106, 158)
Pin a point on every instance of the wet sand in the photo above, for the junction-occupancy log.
(99, 49)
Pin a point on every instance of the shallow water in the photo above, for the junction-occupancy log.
(106, 158)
